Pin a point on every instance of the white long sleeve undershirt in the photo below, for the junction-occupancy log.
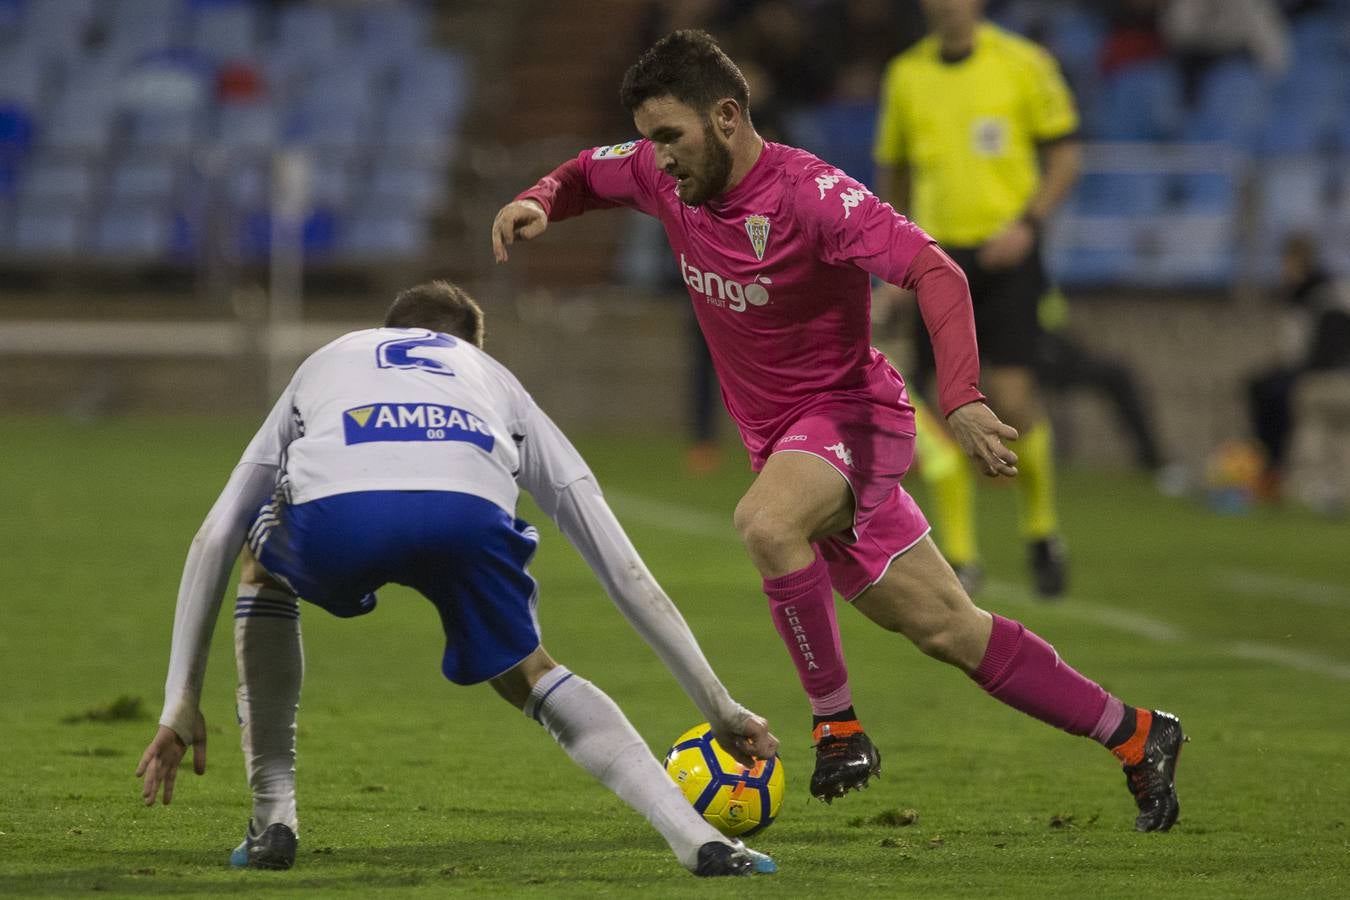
(210, 558)
(588, 523)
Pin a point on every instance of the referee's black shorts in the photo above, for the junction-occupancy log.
(1005, 302)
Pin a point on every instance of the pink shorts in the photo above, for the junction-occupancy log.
(872, 446)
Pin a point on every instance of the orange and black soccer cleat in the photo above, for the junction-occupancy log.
(845, 759)
(1152, 778)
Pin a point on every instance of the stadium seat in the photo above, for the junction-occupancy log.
(16, 132)
(1232, 103)
(1121, 194)
(166, 132)
(390, 32)
(418, 186)
(309, 34)
(225, 31)
(1207, 192)
(330, 180)
(839, 133)
(131, 233)
(383, 233)
(436, 80)
(252, 127)
(1294, 192)
(80, 120)
(139, 27)
(22, 77)
(143, 180)
(46, 231)
(55, 29)
(57, 180)
(1142, 102)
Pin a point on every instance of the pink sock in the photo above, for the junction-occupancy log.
(802, 606)
(1026, 673)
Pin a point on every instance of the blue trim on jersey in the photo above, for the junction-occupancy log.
(548, 693)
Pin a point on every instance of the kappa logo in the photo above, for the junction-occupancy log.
(845, 455)
(616, 151)
(758, 229)
(852, 197)
(827, 183)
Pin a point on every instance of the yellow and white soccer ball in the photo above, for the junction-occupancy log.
(735, 800)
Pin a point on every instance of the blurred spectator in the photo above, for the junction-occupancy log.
(1315, 337)
(1204, 33)
(1064, 362)
(1133, 36)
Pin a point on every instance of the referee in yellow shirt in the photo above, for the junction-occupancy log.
(976, 143)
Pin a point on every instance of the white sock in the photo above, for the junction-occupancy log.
(595, 733)
(271, 665)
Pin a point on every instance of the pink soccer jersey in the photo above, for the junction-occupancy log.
(778, 269)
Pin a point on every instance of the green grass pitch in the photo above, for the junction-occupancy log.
(410, 786)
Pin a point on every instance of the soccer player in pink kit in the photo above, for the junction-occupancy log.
(777, 249)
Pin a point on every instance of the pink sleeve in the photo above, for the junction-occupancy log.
(944, 303)
(855, 228)
(599, 178)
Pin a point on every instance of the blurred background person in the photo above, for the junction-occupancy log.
(976, 141)
(1314, 337)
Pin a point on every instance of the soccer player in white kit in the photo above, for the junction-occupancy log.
(395, 455)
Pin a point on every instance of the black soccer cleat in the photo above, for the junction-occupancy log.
(1049, 567)
(716, 859)
(845, 759)
(1153, 780)
(273, 849)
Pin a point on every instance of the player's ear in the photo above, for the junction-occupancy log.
(727, 116)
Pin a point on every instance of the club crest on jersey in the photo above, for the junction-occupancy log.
(758, 229)
(414, 422)
(617, 151)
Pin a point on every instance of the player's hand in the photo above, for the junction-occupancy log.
(749, 741)
(159, 762)
(517, 220)
(1009, 247)
(981, 436)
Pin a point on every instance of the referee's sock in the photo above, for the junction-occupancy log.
(271, 665)
(1036, 482)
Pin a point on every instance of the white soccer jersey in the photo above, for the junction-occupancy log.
(407, 409)
(411, 409)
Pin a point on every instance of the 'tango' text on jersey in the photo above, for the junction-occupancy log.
(722, 291)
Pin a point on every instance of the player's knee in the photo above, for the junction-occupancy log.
(767, 536)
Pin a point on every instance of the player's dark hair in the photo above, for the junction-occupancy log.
(440, 306)
(688, 66)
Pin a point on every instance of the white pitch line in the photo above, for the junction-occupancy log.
(671, 516)
(1123, 620)
(1313, 593)
(682, 519)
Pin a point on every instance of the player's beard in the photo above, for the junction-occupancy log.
(716, 169)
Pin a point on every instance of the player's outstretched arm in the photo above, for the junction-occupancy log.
(518, 220)
(159, 762)
(205, 573)
(981, 435)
